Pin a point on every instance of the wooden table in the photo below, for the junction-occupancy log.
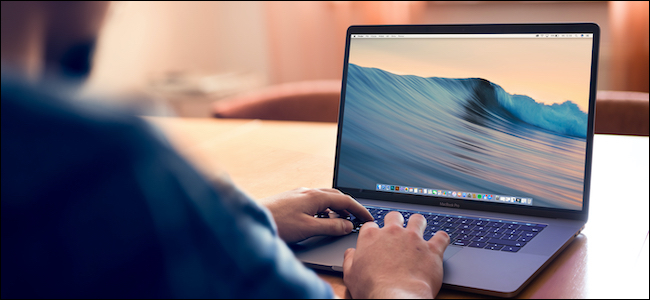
(269, 157)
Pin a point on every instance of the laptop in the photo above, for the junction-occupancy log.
(486, 130)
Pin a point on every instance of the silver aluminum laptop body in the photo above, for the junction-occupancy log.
(433, 115)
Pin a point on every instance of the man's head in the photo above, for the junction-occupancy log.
(50, 38)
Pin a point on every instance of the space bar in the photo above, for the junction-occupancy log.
(507, 242)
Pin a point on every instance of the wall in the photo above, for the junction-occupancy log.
(146, 41)
(629, 34)
(256, 43)
(531, 12)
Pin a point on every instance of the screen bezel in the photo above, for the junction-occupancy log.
(478, 29)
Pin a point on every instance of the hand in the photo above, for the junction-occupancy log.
(294, 212)
(395, 262)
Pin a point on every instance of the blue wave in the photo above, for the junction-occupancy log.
(463, 134)
(485, 99)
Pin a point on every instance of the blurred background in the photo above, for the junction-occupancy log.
(188, 55)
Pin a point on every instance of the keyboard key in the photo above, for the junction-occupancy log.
(524, 239)
(433, 217)
(480, 239)
(526, 228)
(529, 234)
(477, 244)
(510, 248)
(460, 242)
(531, 228)
(464, 231)
(464, 236)
(481, 223)
(511, 226)
(494, 246)
(452, 225)
(436, 223)
(451, 220)
(510, 237)
(467, 221)
(513, 232)
(494, 235)
(506, 242)
(495, 224)
(482, 228)
(480, 233)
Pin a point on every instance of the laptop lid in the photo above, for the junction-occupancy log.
(483, 117)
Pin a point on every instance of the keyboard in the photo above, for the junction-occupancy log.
(467, 231)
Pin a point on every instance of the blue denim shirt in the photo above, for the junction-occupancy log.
(95, 204)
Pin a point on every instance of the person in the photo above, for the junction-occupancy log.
(95, 203)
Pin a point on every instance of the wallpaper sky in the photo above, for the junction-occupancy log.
(547, 70)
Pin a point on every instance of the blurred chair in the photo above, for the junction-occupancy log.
(620, 112)
(315, 100)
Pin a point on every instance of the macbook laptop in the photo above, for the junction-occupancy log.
(486, 130)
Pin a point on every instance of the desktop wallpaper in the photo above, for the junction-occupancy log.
(490, 115)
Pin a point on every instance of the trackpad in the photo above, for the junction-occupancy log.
(451, 251)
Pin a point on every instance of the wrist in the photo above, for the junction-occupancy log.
(413, 289)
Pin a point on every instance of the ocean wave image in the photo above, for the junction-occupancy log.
(465, 134)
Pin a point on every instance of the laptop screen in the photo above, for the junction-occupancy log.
(499, 118)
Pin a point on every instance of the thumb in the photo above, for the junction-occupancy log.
(348, 257)
(333, 226)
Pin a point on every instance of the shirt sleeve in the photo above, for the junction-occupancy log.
(227, 239)
(95, 204)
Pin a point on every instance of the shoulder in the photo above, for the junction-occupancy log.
(38, 109)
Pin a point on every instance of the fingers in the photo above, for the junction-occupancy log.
(329, 190)
(338, 201)
(332, 226)
(439, 241)
(394, 218)
(418, 223)
(368, 225)
(348, 258)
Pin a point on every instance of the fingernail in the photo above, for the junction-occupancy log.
(348, 226)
